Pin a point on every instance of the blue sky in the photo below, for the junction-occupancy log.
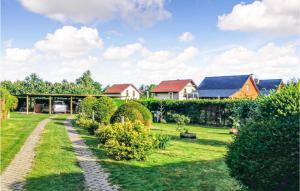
(232, 45)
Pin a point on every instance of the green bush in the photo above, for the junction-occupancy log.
(126, 141)
(265, 154)
(7, 102)
(119, 102)
(162, 141)
(133, 112)
(204, 111)
(181, 121)
(147, 115)
(86, 106)
(88, 124)
(104, 107)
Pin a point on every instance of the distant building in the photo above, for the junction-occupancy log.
(123, 91)
(239, 86)
(266, 86)
(176, 89)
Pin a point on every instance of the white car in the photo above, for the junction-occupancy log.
(59, 107)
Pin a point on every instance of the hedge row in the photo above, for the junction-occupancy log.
(218, 112)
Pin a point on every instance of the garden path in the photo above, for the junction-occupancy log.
(95, 176)
(13, 177)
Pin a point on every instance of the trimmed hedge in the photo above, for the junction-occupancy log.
(217, 112)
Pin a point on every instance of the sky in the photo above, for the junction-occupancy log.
(146, 41)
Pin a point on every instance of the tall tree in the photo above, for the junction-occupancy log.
(146, 90)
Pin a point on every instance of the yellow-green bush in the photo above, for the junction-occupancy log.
(87, 124)
(7, 103)
(126, 141)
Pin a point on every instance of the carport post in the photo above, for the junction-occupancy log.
(27, 109)
(50, 104)
(71, 105)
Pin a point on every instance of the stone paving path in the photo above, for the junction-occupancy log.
(95, 176)
(13, 178)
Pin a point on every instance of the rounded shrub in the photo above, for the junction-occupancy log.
(86, 106)
(104, 107)
(128, 112)
(126, 141)
(147, 115)
(265, 154)
(133, 111)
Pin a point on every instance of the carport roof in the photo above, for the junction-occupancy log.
(58, 95)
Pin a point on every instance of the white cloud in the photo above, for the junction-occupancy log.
(124, 52)
(70, 41)
(55, 58)
(268, 16)
(162, 65)
(186, 37)
(187, 54)
(61, 55)
(19, 55)
(269, 61)
(136, 13)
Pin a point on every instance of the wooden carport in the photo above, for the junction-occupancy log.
(50, 97)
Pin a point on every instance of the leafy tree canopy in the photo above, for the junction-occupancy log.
(34, 84)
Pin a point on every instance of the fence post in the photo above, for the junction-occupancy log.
(122, 120)
(27, 102)
(93, 115)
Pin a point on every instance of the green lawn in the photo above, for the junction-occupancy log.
(14, 133)
(55, 166)
(184, 165)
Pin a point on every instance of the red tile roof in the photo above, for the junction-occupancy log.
(172, 85)
(118, 88)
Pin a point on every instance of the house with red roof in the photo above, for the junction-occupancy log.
(123, 91)
(176, 89)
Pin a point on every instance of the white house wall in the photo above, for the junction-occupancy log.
(190, 88)
(130, 93)
(166, 95)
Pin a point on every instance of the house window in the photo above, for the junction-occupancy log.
(171, 95)
(184, 91)
(247, 88)
(133, 93)
(127, 93)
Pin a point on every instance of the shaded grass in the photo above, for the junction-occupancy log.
(14, 133)
(55, 166)
(184, 165)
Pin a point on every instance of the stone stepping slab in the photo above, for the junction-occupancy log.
(13, 177)
(96, 179)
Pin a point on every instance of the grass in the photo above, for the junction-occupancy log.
(14, 133)
(55, 166)
(184, 165)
